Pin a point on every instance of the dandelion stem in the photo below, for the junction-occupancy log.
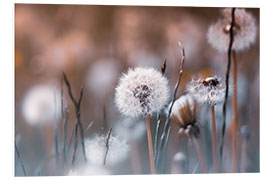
(214, 143)
(227, 85)
(156, 138)
(196, 144)
(107, 146)
(235, 119)
(150, 145)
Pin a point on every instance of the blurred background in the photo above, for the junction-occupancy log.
(94, 45)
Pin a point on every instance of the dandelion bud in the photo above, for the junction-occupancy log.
(209, 90)
(244, 31)
(141, 92)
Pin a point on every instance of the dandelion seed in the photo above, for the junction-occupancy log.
(141, 92)
(96, 147)
(210, 90)
(42, 105)
(245, 31)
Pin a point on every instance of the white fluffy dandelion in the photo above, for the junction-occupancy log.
(88, 169)
(141, 92)
(42, 105)
(245, 31)
(96, 149)
(210, 90)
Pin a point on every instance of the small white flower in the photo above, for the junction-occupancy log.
(141, 92)
(96, 148)
(245, 31)
(210, 90)
(42, 105)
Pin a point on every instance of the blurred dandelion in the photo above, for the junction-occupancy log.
(89, 169)
(96, 148)
(179, 163)
(245, 31)
(98, 82)
(42, 105)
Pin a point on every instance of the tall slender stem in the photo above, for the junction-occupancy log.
(196, 144)
(235, 119)
(224, 109)
(150, 145)
(214, 141)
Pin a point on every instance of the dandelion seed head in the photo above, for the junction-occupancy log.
(245, 31)
(42, 105)
(141, 91)
(209, 90)
(96, 148)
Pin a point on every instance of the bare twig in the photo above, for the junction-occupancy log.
(167, 122)
(163, 67)
(107, 146)
(88, 127)
(166, 149)
(78, 124)
(65, 132)
(227, 85)
(19, 157)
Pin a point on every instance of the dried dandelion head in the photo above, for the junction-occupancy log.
(209, 90)
(141, 92)
(244, 30)
(96, 149)
(183, 114)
